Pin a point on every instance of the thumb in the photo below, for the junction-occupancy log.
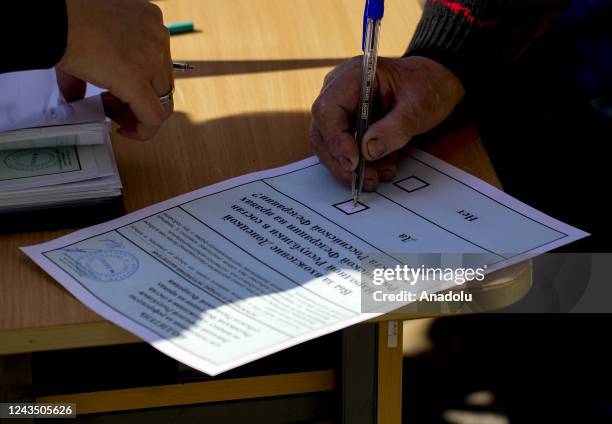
(72, 88)
(389, 134)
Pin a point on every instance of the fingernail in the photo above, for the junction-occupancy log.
(369, 184)
(376, 148)
(346, 164)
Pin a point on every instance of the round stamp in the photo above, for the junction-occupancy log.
(108, 265)
(32, 159)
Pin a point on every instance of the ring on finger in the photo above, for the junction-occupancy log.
(167, 98)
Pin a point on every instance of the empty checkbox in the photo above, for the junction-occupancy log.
(411, 184)
(348, 208)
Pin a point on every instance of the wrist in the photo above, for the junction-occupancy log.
(437, 79)
(454, 40)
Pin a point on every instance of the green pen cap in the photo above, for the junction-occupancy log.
(180, 27)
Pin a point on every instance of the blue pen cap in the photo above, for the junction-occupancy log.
(374, 9)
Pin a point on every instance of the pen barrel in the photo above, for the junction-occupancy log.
(370, 60)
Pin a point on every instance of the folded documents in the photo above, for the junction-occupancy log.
(52, 176)
(52, 153)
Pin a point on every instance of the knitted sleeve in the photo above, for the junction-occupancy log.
(474, 38)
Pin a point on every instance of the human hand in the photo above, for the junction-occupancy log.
(122, 46)
(412, 95)
(72, 88)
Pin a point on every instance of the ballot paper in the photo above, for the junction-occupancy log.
(241, 269)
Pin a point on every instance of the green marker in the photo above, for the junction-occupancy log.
(180, 27)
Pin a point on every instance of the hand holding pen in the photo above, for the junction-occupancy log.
(413, 95)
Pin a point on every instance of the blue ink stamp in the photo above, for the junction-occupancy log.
(32, 159)
(108, 266)
(75, 250)
(112, 244)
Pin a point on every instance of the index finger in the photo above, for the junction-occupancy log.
(332, 113)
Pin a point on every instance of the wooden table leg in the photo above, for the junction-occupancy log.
(390, 361)
(16, 381)
(16, 378)
(358, 378)
(371, 377)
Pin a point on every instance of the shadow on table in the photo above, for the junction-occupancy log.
(209, 68)
(208, 152)
(250, 142)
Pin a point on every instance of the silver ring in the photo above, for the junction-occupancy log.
(167, 98)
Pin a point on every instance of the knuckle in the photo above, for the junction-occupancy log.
(168, 110)
(312, 136)
(158, 118)
(328, 77)
(141, 137)
(162, 36)
(156, 12)
(319, 106)
(152, 114)
(335, 143)
(356, 60)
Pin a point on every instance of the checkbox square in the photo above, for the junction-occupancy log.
(348, 208)
(411, 184)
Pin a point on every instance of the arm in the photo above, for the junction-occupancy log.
(475, 38)
(34, 35)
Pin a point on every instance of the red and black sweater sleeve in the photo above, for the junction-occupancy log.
(33, 34)
(474, 38)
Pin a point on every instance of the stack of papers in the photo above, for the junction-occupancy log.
(33, 178)
(52, 153)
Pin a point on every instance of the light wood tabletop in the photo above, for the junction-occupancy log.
(260, 65)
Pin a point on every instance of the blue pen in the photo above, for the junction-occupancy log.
(372, 15)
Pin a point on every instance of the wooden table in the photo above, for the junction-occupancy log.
(245, 108)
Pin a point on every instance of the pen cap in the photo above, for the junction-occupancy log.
(374, 9)
(180, 27)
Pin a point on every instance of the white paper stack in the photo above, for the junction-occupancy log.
(52, 153)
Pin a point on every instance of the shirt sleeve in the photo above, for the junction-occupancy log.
(34, 34)
(474, 38)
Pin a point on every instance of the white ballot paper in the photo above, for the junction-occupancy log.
(244, 268)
